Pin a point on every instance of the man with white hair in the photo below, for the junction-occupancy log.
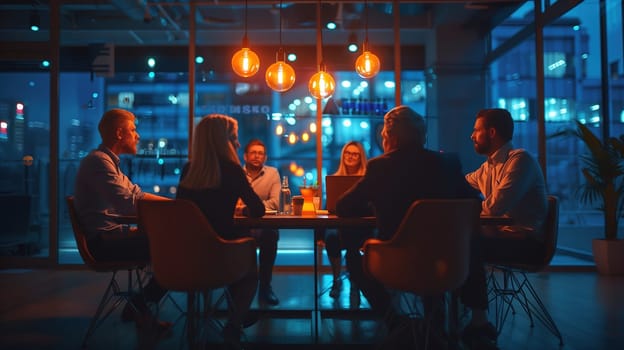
(406, 172)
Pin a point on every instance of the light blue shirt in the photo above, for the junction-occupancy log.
(267, 186)
(102, 193)
(512, 184)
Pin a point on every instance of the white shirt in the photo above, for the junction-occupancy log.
(267, 186)
(512, 184)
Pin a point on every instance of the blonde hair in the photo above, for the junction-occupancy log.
(342, 169)
(215, 138)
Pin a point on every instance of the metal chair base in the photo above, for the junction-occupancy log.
(110, 301)
(514, 286)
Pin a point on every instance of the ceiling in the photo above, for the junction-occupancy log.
(222, 22)
(160, 28)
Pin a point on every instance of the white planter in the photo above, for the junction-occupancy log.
(609, 256)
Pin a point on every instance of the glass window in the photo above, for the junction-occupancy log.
(579, 40)
(522, 17)
(25, 136)
(24, 160)
(615, 59)
(512, 86)
(572, 87)
(82, 103)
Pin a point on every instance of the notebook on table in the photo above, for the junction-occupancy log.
(335, 186)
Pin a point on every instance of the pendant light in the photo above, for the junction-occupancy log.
(245, 62)
(367, 65)
(280, 76)
(322, 84)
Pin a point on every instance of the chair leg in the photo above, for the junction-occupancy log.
(502, 296)
(192, 313)
(193, 322)
(412, 324)
(211, 308)
(524, 294)
(201, 317)
(175, 304)
(93, 324)
(112, 298)
(421, 325)
(534, 306)
(111, 290)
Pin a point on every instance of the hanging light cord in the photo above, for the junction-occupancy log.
(366, 22)
(245, 40)
(245, 17)
(320, 35)
(280, 22)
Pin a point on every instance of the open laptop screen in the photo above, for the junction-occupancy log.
(335, 186)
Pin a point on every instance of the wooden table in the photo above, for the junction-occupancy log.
(330, 221)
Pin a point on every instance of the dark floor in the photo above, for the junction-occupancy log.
(50, 309)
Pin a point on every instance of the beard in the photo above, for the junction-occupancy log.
(130, 149)
(483, 147)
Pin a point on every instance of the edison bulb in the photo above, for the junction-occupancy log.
(367, 65)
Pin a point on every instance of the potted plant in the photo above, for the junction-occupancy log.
(603, 169)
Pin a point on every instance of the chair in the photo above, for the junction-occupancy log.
(517, 287)
(189, 256)
(429, 253)
(113, 295)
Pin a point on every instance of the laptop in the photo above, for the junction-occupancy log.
(335, 186)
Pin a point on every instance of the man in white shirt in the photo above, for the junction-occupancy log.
(265, 180)
(510, 180)
(512, 184)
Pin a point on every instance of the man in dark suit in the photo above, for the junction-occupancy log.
(407, 171)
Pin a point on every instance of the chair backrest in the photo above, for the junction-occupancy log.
(550, 232)
(186, 253)
(79, 234)
(430, 252)
(551, 229)
(83, 248)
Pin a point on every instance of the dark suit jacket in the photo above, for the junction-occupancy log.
(394, 180)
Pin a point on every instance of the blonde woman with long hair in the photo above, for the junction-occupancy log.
(352, 162)
(214, 180)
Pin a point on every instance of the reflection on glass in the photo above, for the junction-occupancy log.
(25, 163)
(522, 17)
(573, 90)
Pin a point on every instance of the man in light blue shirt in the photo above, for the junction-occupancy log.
(103, 193)
(510, 180)
(265, 180)
(512, 184)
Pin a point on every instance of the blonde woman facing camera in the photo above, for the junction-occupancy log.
(214, 180)
(352, 162)
(352, 159)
